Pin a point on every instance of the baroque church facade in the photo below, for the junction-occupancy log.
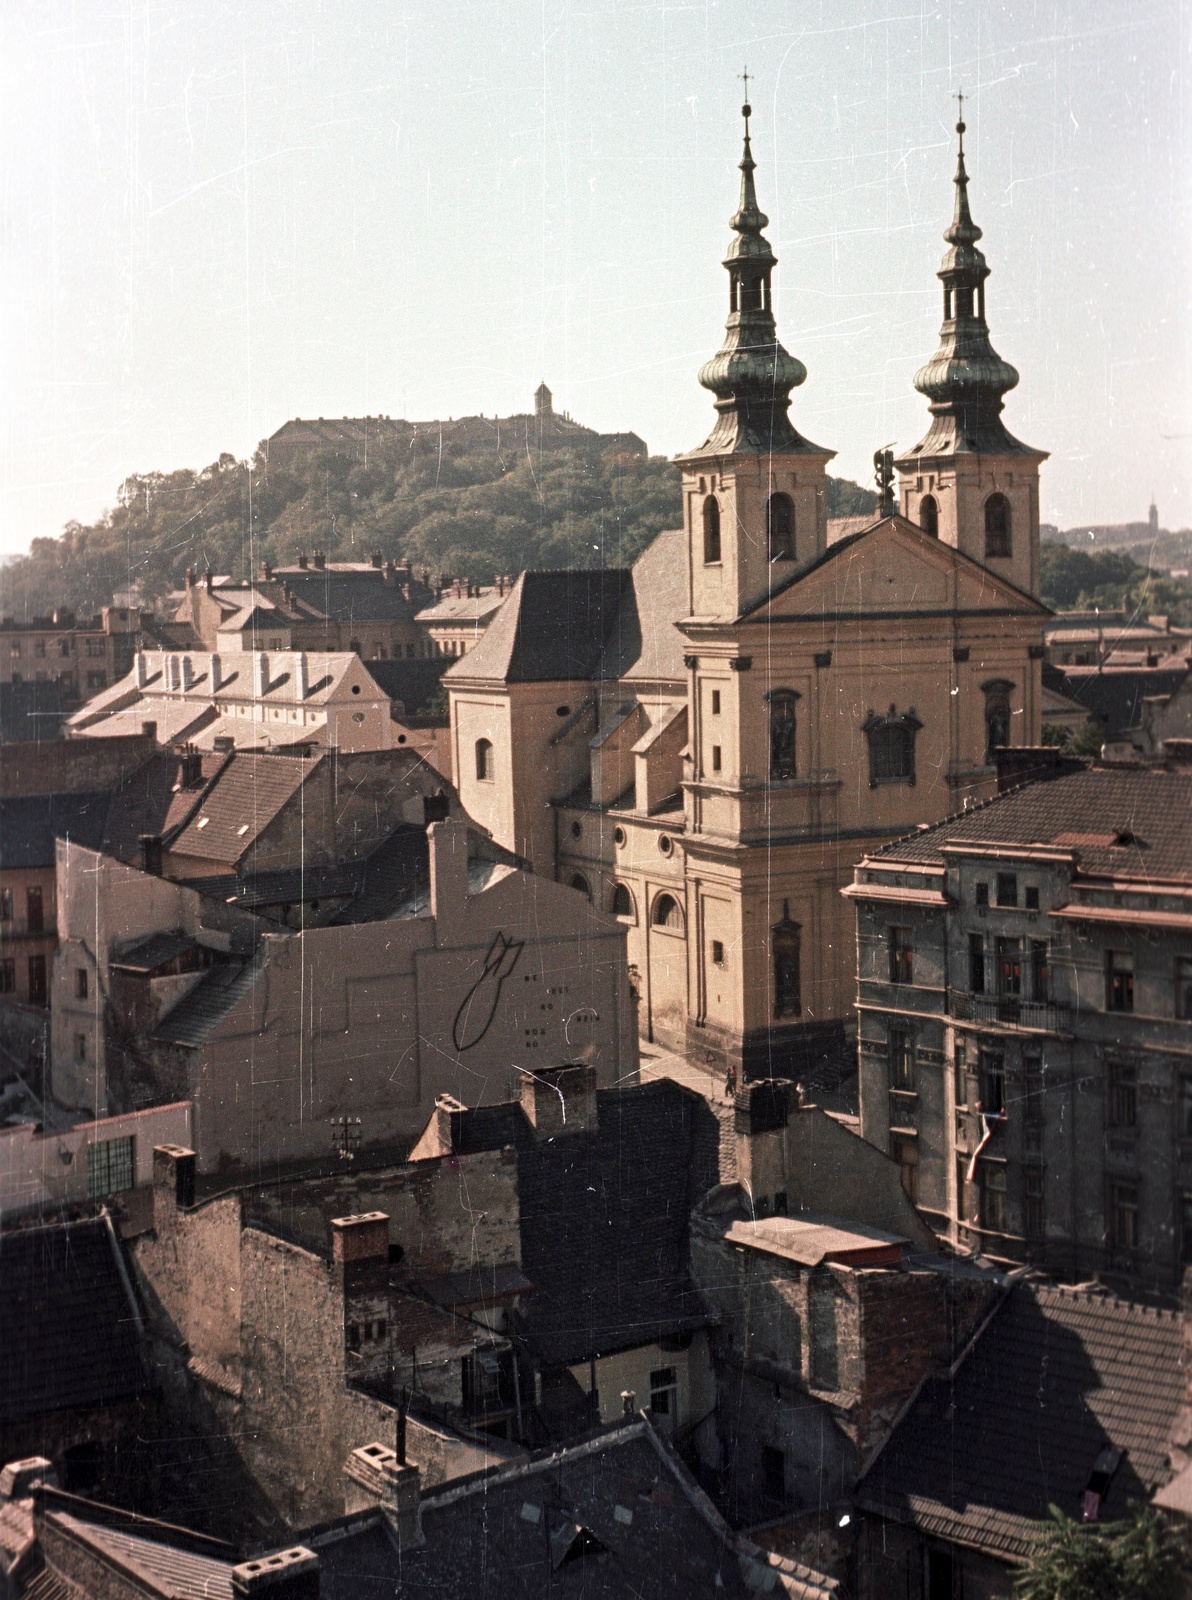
(707, 743)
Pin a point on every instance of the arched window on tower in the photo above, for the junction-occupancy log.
(484, 760)
(785, 950)
(780, 528)
(580, 883)
(667, 913)
(622, 903)
(782, 733)
(929, 516)
(711, 530)
(997, 716)
(997, 526)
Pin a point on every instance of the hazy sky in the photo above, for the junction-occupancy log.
(219, 214)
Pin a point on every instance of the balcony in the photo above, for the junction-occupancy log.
(1010, 1011)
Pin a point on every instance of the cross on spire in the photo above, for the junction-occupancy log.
(746, 109)
(960, 117)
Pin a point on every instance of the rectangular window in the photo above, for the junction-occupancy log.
(902, 1059)
(35, 919)
(1119, 980)
(80, 1047)
(715, 758)
(81, 983)
(8, 975)
(960, 1068)
(1032, 1202)
(1183, 986)
(774, 1470)
(717, 952)
(1040, 973)
(5, 905)
(39, 648)
(664, 1392)
(993, 1196)
(715, 702)
(1032, 1091)
(982, 894)
(902, 956)
(906, 1153)
(38, 990)
(1123, 1097)
(110, 1167)
(1031, 896)
(962, 1189)
(1009, 967)
(977, 963)
(993, 1083)
(1123, 1216)
(95, 647)
(1007, 888)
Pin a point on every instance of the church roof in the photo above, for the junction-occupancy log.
(552, 629)
(644, 643)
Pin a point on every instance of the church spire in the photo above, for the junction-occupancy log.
(966, 378)
(751, 375)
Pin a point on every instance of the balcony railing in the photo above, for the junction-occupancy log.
(1010, 1010)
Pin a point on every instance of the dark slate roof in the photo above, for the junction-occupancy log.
(644, 642)
(30, 712)
(411, 682)
(1114, 696)
(361, 596)
(1153, 806)
(203, 1008)
(152, 800)
(1057, 1375)
(551, 629)
(604, 1217)
(250, 793)
(30, 824)
(69, 1335)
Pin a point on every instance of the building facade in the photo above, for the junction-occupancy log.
(705, 744)
(81, 657)
(1024, 1000)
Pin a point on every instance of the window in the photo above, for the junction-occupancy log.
(80, 1047)
(622, 905)
(1123, 1216)
(1032, 1202)
(929, 516)
(717, 952)
(1009, 967)
(64, 647)
(981, 894)
(35, 919)
(960, 1070)
(993, 1083)
(774, 1470)
(891, 747)
(943, 1576)
(902, 956)
(1183, 983)
(5, 905)
(39, 648)
(780, 528)
(993, 1196)
(667, 913)
(906, 1153)
(1007, 889)
(715, 702)
(1031, 900)
(782, 733)
(110, 1167)
(95, 648)
(711, 531)
(1032, 1091)
(8, 975)
(715, 758)
(580, 883)
(997, 725)
(81, 983)
(1123, 1096)
(901, 1057)
(38, 992)
(484, 760)
(664, 1392)
(785, 949)
(1040, 978)
(97, 680)
(1186, 1227)
(977, 963)
(997, 526)
(1119, 980)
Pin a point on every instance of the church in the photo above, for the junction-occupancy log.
(705, 744)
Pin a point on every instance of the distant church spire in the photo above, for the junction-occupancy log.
(751, 375)
(966, 378)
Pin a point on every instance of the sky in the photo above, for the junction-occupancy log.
(219, 214)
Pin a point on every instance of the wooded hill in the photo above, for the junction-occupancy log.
(461, 507)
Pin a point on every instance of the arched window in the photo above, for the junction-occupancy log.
(997, 526)
(580, 883)
(484, 760)
(782, 733)
(780, 528)
(891, 746)
(997, 716)
(622, 903)
(929, 516)
(667, 913)
(785, 949)
(711, 530)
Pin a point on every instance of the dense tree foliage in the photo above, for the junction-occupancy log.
(1079, 580)
(467, 510)
(1138, 1559)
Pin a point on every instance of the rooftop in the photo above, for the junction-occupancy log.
(810, 1239)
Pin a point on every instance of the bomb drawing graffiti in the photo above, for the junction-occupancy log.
(479, 1005)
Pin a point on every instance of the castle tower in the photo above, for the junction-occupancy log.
(754, 501)
(969, 482)
(543, 401)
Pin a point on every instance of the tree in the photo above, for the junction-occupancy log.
(1136, 1559)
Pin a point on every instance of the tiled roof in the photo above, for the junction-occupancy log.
(29, 825)
(166, 1561)
(203, 1008)
(644, 642)
(69, 1335)
(455, 609)
(604, 1217)
(1057, 1375)
(248, 795)
(346, 596)
(1154, 807)
(1114, 696)
(550, 630)
(151, 800)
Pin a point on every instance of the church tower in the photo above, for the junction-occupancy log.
(754, 503)
(969, 482)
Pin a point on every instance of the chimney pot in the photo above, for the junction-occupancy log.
(362, 1238)
(174, 1173)
(291, 1574)
(560, 1099)
(19, 1478)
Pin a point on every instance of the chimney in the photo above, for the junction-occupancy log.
(191, 775)
(149, 731)
(173, 1182)
(374, 1476)
(560, 1099)
(188, 673)
(360, 1267)
(142, 664)
(216, 671)
(260, 674)
(301, 676)
(266, 572)
(151, 854)
(377, 559)
(190, 577)
(448, 879)
(761, 1112)
(319, 558)
(302, 562)
(209, 580)
(291, 1574)
(19, 1478)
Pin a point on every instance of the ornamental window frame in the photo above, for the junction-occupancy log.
(894, 729)
(784, 756)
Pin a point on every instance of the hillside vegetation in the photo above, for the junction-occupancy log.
(1079, 580)
(467, 511)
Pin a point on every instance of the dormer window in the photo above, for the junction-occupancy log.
(711, 531)
(891, 746)
(780, 528)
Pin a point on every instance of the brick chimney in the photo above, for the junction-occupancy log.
(190, 577)
(760, 1113)
(209, 580)
(173, 1182)
(291, 1574)
(303, 562)
(560, 1100)
(360, 1267)
(19, 1478)
(377, 559)
(448, 879)
(319, 558)
(191, 774)
(373, 1476)
(266, 572)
